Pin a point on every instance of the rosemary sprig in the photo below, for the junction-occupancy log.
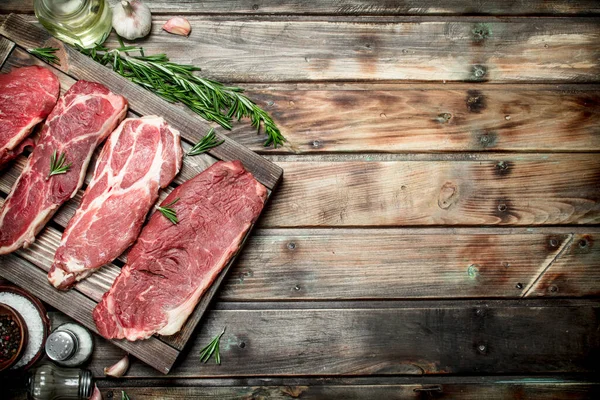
(57, 165)
(169, 212)
(212, 348)
(208, 142)
(124, 395)
(46, 54)
(178, 83)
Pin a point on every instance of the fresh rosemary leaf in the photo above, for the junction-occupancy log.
(46, 54)
(58, 164)
(169, 212)
(209, 141)
(124, 395)
(212, 348)
(174, 82)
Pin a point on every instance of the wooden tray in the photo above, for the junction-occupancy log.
(28, 267)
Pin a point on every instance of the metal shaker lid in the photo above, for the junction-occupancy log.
(61, 345)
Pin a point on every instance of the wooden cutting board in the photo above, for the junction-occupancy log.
(28, 267)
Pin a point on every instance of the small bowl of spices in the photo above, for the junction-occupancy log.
(13, 336)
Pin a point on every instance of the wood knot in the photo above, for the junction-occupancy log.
(482, 348)
(476, 101)
(478, 72)
(473, 271)
(502, 168)
(481, 32)
(448, 195)
(486, 139)
(444, 118)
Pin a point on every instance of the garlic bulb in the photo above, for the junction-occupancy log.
(178, 26)
(118, 370)
(132, 19)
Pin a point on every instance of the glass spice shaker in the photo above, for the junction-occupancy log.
(50, 382)
(69, 345)
(77, 22)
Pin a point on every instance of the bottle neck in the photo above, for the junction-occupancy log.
(86, 384)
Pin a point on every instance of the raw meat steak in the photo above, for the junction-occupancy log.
(82, 118)
(27, 95)
(172, 265)
(140, 157)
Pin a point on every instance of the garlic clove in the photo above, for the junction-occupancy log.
(96, 394)
(118, 370)
(178, 26)
(131, 19)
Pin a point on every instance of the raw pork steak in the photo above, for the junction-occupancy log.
(27, 95)
(82, 118)
(171, 265)
(140, 157)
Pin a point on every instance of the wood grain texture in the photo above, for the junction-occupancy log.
(6, 46)
(422, 118)
(536, 190)
(353, 7)
(400, 339)
(140, 101)
(577, 269)
(510, 50)
(24, 274)
(316, 391)
(322, 264)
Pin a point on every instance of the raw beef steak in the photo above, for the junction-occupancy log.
(82, 118)
(27, 95)
(140, 157)
(172, 265)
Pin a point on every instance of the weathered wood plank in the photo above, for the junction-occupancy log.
(79, 307)
(285, 49)
(311, 264)
(576, 270)
(468, 387)
(511, 50)
(554, 189)
(475, 391)
(140, 101)
(6, 46)
(409, 338)
(353, 7)
(422, 118)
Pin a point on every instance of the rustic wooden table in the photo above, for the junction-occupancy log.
(436, 233)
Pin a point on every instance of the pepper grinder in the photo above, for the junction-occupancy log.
(49, 382)
(69, 345)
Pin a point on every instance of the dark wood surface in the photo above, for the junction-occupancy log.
(441, 193)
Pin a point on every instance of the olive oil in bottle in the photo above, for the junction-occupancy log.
(77, 22)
